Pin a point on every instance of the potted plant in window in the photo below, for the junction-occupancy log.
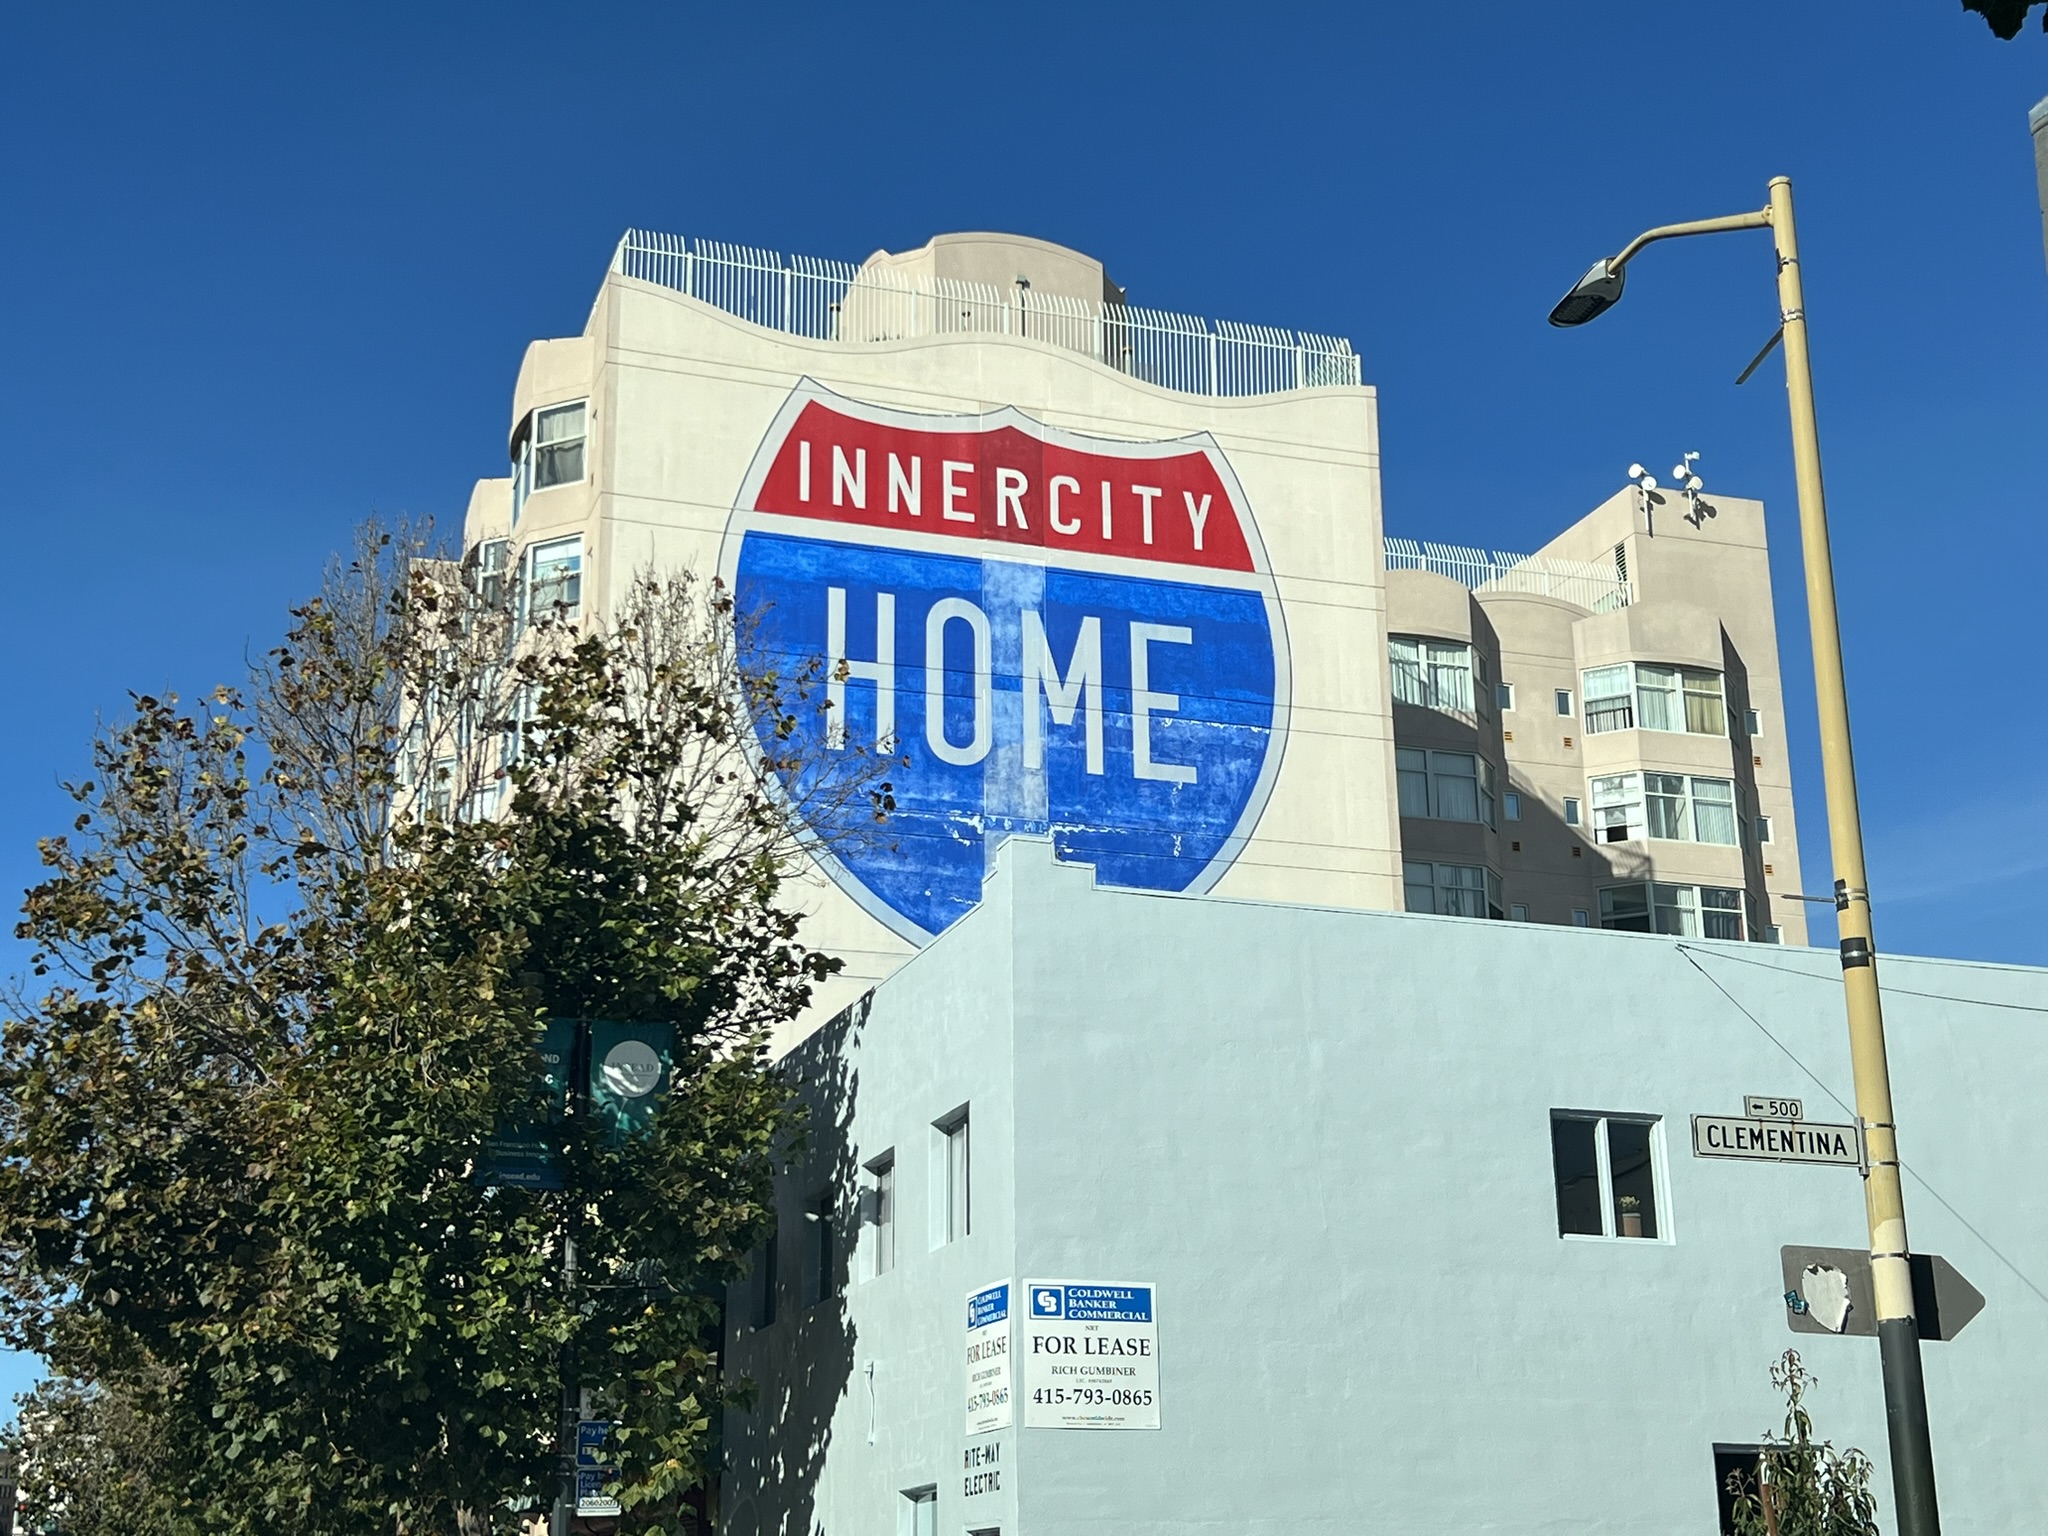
(1630, 1208)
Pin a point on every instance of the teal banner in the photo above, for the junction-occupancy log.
(523, 1153)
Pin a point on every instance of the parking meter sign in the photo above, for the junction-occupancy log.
(1058, 636)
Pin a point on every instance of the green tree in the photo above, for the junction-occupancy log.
(1813, 1489)
(89, 1462)
(2005, 17)
(302, 943)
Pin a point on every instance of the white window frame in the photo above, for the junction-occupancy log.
(1504, 697)
(1763, 829)
(1572, 809)
(918, 1512)
(878, 1215)
(1689, 902)
(952, 1177)
(1753, 723)
(530, 560)
(1418, 678)
(1563, 700)
(1633, 797)
(526, 448)
(1603, 1162)
(1630, 700)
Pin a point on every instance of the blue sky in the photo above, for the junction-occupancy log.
(269, 270)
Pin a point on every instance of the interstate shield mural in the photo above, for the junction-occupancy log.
(1065, 636)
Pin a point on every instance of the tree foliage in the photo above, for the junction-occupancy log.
(300, 946)
(2005, 17)
(1813, 1489)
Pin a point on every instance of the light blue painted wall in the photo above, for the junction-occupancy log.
(1325, 1135)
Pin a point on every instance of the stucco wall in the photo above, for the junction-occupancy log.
(1325, 1135)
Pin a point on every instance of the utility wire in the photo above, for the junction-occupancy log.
(1919, 1177)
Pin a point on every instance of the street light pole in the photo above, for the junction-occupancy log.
(1898, 1331)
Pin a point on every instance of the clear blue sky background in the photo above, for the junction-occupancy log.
(268, 270)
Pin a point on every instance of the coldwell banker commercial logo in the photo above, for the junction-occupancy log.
(1066, 636)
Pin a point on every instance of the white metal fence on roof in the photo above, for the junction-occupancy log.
(839, 301)
(1591, 584)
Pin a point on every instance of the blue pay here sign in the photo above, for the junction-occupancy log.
(1091, 1354)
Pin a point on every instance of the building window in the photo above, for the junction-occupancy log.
(1435, 674)
(1511, 806)
(1571, 811)
(1564, 701)
(1518, 913)
(1640, 695)
(1581, 918)
(1753, 722)
(764, 1284)
(1450, 890)
(951, 1179)
(1774, 934)
(554, 579)
(1690, 911)
(1504, 696)
(1672, 807)
(1605, 1167)
(1763, 829)
(878, 1214)
(487, 564)
(919, 1515)
(821, 1256)
(1444, 786)
(549, 454)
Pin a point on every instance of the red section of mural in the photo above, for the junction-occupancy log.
(1007, 486)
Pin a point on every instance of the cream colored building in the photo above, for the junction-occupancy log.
(1420, 736)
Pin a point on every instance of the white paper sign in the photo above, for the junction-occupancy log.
(988, 1359)
(1091, 1355)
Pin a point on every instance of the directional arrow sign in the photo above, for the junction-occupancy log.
(1943, 1301)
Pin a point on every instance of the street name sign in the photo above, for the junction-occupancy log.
(1775, 1141)
(1091, 1355)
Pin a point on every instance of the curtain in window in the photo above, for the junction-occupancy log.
(1462, 889)
(1607, 703)
(1713, 810)
(1454, 782)
(1676, 910)
(1411, 772)
(1664, 796)
(1617, 808)
(1405, 656)
(1450, 675)
(1706, 713)
(558, 458)
(1657, 707)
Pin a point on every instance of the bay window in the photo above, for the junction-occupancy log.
(550, 452)
(1450, 890)
(1444, 786)
(1673, 807)
(1641, 695)
(554, 579)
(1435, 674)
(1690, 911)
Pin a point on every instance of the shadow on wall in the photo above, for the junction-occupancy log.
(801, 1362)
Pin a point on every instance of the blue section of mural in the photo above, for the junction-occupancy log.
(1153, 703)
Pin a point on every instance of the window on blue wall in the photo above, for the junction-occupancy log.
(878, 1214)
(918, 1513)
(821, 1256)
(1605, 1170)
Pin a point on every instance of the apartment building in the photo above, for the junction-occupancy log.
(1118, 578)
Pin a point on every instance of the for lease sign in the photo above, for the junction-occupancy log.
(1091, 1355)
(988, 1359)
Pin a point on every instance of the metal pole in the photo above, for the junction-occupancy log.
(1898, 1333)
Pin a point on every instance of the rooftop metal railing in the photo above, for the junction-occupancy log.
(840, 301)
(1590, 584)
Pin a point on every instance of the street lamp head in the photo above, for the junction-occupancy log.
(1593, 295)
